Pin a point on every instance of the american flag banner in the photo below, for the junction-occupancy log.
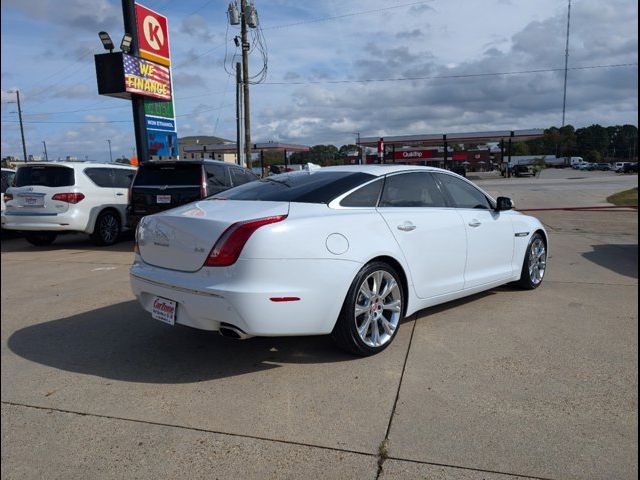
(146, 78)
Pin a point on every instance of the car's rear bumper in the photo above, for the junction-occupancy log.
(242, 295)
(54, 222)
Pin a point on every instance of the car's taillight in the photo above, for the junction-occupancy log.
(229, 246)
(8, 197)
(68, 197)
(136, 247)
(204, 191)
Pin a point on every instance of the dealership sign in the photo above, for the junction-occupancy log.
(146, 78)
(153, 35)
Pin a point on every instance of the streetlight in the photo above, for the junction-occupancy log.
(110, 156)
(107, 43)
(125, 44)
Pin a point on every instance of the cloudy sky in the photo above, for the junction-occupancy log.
(318, 54)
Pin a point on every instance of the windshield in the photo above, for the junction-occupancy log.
(305, 187)
(187, 174)
(44, 175)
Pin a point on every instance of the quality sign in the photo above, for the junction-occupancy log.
(153, 35)
(146, 78)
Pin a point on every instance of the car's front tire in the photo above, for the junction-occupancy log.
(372, 311)
(534, 265)
(40, 239)
(107, 229)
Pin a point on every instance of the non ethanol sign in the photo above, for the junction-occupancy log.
(159, 123)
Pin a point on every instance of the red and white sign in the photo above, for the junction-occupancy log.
(164, 310)
(381, 147)
(153, 35)
(413, 155)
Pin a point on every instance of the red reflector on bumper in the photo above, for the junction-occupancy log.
(284, 299)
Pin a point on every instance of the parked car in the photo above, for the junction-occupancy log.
(619, 166)
(603, 166)
(162, 185)
(51, 198)
(630, 168)
(348, 251)
(522, 171)
(587, 166)
(7, 180)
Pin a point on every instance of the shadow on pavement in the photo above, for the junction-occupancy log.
(621, 259)
(122, 342)
(15, 243)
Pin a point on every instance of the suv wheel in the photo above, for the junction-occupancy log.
(107, 229)
(40, 239)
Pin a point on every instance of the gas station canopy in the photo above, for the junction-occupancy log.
(465, 137)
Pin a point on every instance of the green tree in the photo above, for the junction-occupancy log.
(593, 156)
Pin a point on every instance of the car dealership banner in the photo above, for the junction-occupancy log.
(146, 78)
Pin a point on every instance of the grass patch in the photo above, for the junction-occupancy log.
(627, 197)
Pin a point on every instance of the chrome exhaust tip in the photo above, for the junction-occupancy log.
(231, 331)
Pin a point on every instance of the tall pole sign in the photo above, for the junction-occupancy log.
(142, 73)
(153, 45)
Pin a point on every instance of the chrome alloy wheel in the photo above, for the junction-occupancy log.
(537, 261)
(378, 308)
(108, 228)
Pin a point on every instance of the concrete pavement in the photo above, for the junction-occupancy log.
(506, 384)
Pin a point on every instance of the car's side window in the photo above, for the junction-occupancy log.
(102, 177)
(366, 196)
(463, 194)
(217, 178)
(238, 177)
(414, 189)
(123, 178)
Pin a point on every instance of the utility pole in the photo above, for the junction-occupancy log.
(110, 156)
(566, 64)
(238, 114)
(46, 156)
(24, 147)
(245, 81)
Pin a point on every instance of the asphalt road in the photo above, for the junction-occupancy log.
(505, 384)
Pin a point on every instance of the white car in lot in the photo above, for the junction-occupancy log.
(349, 251)
(51, 198)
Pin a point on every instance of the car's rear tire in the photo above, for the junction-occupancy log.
(372, 311)
(534, 265)
(40, 239)
(107, 229)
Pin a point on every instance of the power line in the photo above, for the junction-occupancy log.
(353, 14)
(69, 121)
(466, 75)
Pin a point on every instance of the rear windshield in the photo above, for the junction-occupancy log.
(187, 174)
(305, 187)
(44, 175)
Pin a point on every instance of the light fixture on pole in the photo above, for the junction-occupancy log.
(125, 44)
(107, 43)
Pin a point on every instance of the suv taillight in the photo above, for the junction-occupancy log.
(204, 193)
(229, 246)
(68, 197)
(8, 197)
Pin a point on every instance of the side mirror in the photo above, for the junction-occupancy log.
(503, 203)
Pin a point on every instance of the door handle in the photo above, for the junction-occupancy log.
(475, 223)
(406, 227)
(120, 194)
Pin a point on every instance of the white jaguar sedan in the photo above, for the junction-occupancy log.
(348, 251)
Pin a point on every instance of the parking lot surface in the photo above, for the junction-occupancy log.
(502, 385)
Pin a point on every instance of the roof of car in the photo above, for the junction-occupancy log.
(8, 169)
(197, 161)
(382, 169)
(77, 164)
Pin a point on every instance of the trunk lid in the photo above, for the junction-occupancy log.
(181, 239)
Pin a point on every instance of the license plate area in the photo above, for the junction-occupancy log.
(164, 310)
(164, 199)
(33, 200)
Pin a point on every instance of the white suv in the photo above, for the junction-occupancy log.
(50, 198)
